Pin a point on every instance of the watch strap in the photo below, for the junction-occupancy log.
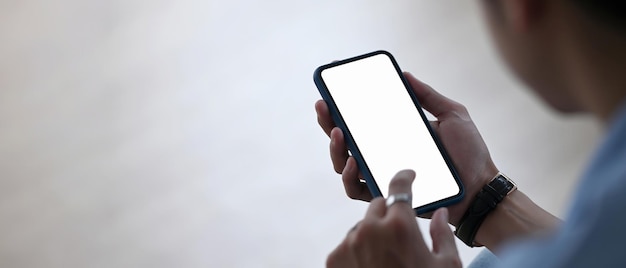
(486, 201)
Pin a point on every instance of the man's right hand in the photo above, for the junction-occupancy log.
(456, 131)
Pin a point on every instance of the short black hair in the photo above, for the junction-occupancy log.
(612, 12)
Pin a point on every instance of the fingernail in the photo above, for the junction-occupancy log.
(408, 173)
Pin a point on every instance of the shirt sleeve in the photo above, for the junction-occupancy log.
(593, 236)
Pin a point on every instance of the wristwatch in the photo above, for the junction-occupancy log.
(486, 201)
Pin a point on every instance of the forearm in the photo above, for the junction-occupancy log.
(515, 217)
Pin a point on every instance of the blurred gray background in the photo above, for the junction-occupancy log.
(182, 133)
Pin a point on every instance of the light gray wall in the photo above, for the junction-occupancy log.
(182, 133)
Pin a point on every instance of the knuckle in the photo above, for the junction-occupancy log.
(398, 228)
(378, 201)
(333, 258)
(330, 261)
(360, 238)
(459, 107)
(356, 240)
(399, 224)
(461, 111)
(365, 229)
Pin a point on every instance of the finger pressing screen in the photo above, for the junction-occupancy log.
(401, 184)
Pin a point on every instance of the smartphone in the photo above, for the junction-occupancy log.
(386, 129)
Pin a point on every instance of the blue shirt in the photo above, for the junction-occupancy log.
(594, 231)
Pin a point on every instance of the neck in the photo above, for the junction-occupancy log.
(596, 60)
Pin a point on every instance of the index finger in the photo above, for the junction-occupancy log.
(401, 184)
(401, 215)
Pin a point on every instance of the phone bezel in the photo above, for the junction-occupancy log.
(365, 172)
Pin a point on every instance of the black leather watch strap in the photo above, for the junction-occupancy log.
(486, 201)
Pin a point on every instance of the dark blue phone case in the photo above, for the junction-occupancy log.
(367, 176)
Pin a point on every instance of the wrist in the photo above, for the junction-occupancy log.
(492, 229)
(515, 217)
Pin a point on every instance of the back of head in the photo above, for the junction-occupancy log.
(570, 52)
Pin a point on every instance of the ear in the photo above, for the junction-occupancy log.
(524, 15)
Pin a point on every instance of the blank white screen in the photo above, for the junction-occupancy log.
(387, 128)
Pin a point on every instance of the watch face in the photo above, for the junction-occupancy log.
(502, 185)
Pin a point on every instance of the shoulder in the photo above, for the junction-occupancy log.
(594, 230)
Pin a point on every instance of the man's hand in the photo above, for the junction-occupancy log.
(390, 236)
(456, 131)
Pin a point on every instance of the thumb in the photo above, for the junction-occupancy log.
(432, 100)
(443, 238)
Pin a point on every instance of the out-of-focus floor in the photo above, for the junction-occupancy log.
(182, 133)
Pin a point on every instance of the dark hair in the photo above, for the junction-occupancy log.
(607, 11)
